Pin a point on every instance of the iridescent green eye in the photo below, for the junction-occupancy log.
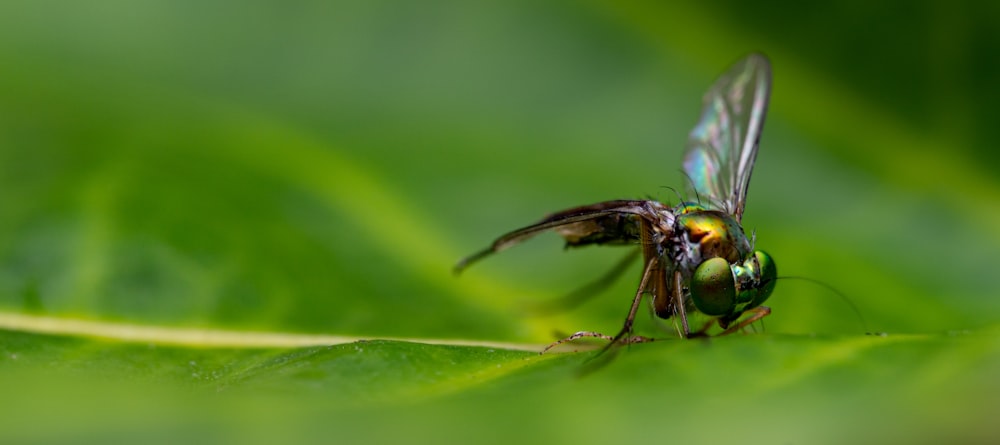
(713, 288)
(768, 277)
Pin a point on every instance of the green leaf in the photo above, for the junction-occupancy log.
(238, 224)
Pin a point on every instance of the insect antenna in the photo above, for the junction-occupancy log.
(854, 308)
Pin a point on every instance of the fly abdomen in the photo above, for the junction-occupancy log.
(617, 228)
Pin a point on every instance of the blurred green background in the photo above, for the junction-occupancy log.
(318, 167)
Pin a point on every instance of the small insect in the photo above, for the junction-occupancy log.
(697, 259)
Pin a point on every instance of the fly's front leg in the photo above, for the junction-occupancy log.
(703, 332)
(756, 314)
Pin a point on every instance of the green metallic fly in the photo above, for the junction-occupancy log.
(697, 259)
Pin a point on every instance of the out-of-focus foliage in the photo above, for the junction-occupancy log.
(318, 167)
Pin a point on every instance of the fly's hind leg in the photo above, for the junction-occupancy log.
(585, 334)
(576, 336)
(625, 335)
(652, 267)
(584, 293)
(592, 334)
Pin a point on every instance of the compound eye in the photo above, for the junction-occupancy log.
(768, 277)
(713, 287)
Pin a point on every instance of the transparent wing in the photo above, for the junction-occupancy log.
(722, 148)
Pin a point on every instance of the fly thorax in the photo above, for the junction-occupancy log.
(688, 207)
(712, 234)
(660, 240)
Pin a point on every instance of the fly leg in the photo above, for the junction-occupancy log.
(685, 330)
(578, 296)
(652, 264)
(582, 334)
(627, 328)
(756, 314)
(703, 332)
(593, 334)
(578, 335)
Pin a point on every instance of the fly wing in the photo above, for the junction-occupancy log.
(722, 148)
(609, 222)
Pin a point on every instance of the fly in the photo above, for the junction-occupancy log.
(696, 257)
